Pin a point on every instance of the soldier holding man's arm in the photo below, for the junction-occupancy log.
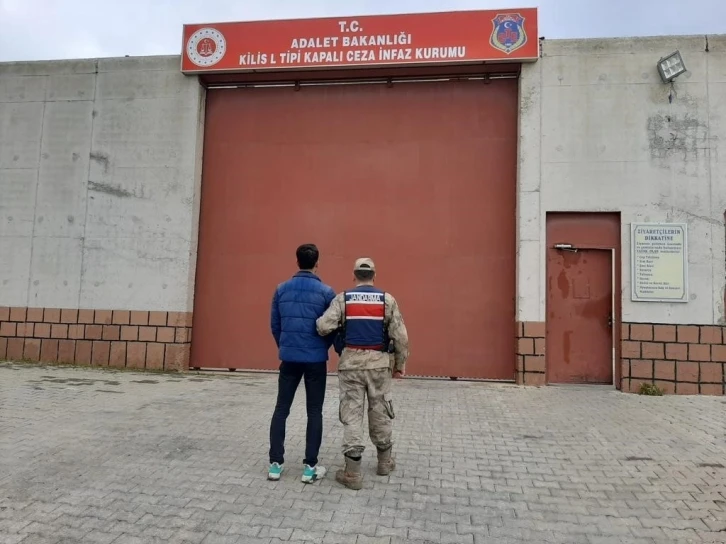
(370, 324)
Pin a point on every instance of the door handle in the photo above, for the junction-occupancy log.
(610, 320)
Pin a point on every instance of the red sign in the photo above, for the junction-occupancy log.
(425, 38)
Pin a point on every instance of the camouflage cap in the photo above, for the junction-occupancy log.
(364, 263)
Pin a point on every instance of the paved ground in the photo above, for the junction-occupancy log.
(100, 457)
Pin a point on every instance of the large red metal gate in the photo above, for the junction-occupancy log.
(419, 176)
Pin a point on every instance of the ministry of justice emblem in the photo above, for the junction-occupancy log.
(508, 33)
(206, 47)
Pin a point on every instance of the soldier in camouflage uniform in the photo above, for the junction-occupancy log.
(373, 348)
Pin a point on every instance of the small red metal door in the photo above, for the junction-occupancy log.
(579, 316)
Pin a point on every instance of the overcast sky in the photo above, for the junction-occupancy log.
(55, 29)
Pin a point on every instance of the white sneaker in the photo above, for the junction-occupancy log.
(313, 474)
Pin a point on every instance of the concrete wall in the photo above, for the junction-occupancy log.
(598, 132)
(99, 165)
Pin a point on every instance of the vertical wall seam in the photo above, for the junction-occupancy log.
(35, 201)
(518, 212)
(88, 176)
(542, 291)
(709, 168)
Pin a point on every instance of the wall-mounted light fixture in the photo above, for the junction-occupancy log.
(671, 67)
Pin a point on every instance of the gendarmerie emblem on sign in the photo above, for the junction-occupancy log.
(508, 33)
(206, 47)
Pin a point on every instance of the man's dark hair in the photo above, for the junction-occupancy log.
(364, 275)
(307, 256)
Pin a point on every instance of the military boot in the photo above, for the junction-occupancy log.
(350, 476)
(386, 462)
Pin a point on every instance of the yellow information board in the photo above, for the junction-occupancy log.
(659, 262)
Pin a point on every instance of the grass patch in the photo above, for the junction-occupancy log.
(650, 390)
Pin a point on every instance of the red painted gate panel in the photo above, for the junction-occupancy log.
(420, 177)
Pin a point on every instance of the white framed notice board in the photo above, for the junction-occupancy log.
(659, 262)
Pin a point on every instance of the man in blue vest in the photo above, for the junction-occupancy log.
(371, 328)
(296, 305)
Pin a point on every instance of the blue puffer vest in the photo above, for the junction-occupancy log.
(296, 305)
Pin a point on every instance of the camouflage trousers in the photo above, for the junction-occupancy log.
(355, 386)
